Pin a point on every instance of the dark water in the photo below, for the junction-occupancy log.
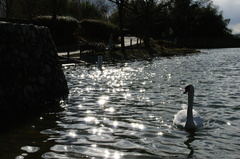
(126, 112)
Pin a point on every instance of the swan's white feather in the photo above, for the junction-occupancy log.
(180, 119)
(184, 106)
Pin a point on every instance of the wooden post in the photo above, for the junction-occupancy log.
(79, 52)
(111, 43)
(100, 62)
(68, 53)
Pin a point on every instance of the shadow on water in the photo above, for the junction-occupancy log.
(11, 119)
(20, 134)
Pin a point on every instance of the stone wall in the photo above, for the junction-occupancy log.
(31, 74)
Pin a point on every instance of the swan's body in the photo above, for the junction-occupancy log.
(180, 119)
(188, 118)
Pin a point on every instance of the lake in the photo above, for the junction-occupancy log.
(126, 112)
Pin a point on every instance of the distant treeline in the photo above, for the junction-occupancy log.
(208, 42)
(159, 19)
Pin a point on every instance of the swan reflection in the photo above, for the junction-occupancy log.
(190, 139)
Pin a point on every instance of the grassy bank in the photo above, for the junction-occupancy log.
(134, 53)
(145, 53)
(142, 53)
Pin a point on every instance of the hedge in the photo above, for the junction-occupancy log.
(62, 29)
(99, 30)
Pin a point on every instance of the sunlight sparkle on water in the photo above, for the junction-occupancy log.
(102, 100)
(115, 155)
(111, 109)
(138, 126)
(107, 153)
(88, 89)
(169, 76)
(115, 123)
(94, 131)
(91, 119)
(97, 131)
(93, 145)
(72, 134)
(126, 95)
(79, 106)
(151, 116)
(88, 111)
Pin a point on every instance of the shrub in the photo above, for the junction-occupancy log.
(99, 30)
(166, 43)
(96, 46)
(62, 29)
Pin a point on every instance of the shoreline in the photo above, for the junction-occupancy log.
(134, 53)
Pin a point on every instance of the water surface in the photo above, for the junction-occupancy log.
(126, 111)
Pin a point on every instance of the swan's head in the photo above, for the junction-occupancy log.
(188, 88)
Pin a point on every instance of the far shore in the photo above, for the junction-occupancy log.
(134, 53)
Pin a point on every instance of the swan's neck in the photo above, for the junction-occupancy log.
(190, 122)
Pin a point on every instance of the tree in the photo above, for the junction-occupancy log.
(146, 17)
(6, 6)
(120, 5)
(197, 19)
(86, 9)
(56, 7)
(210, 23)
(181, 16)
(144, 14)
(2, 8)
(29, 8)
(103, 7)
(89, 10)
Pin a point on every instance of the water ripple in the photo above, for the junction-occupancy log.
(126, 110)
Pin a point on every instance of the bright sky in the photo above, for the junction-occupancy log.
(231, 10)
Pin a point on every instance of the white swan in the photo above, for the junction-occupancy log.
(188, 119)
